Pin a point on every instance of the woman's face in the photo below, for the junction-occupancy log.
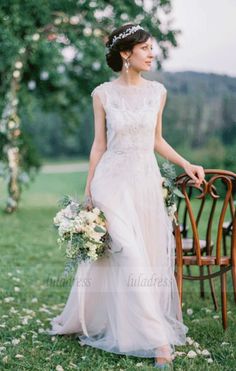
(142, 56)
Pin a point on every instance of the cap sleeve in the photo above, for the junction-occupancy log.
(100, 92)
(163, 90)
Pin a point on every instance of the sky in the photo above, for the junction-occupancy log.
(208, 39)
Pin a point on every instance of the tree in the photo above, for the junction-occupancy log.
(54, 51)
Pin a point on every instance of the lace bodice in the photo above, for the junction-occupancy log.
(131, 114)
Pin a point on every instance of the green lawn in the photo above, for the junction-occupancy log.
(30, 256)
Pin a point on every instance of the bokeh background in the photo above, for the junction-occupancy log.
(52, 56)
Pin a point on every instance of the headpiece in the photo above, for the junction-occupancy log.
(124, 34)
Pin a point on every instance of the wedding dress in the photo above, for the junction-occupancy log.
(128, 303)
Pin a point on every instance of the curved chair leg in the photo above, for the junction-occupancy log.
(223, 299)
(202, 292)
(224, 243)
(212, 286)
(233, 272)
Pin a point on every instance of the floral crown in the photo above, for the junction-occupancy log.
(124, 34)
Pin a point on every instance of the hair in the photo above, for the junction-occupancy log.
(113, 57)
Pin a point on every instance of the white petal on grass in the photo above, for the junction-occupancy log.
(5, 359)
(189, 340)
(189, 311)
(59, 368)
(15, 341)
(216, 317)
(19, 356)
(191, 354)
(225, 343)
(205, 353)
(16, 289)
(34, 300)
(210, 360)
(9, 299)
(180, 353)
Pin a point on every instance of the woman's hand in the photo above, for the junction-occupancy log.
(196, 172)
(88, 202)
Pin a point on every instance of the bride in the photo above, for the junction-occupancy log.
(131, 305)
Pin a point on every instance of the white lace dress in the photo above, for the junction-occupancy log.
(128, 303)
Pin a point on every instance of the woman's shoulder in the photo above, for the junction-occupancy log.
(159, 85)
(100, 87)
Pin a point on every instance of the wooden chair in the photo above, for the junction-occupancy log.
(214, 198)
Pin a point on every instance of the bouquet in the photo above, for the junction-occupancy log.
(83, 233)
(170, 191)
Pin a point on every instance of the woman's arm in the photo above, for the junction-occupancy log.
(196, 172)
(99, 143)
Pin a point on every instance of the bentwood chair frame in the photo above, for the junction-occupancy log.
(210, 254)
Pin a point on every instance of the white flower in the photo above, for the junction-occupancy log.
(16, 74)
(96, 66)
(61, 68)
(205, 353)
(41, 330)
(24, 321)
(97, 32)
(22, 51)
(164, 192)
(140, 364)
(189, 311)
(9, 299)
(36, 37)
(189, 340)
(225, 343)
(16, 289)
(57, 21)
(44, 75)
(191, 354)
(15, 341)
(216, 317)
(34, 300)
(11, 124)
(31, 85)
(19, 64)
(2, 349)
(179, 353)
(59, 368)
(196, 344)
(96, 210)
(74, 20)
(87, 31)
(19, 356)
(210, 360)
(5, 359)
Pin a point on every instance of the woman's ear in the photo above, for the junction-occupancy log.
(125, 54)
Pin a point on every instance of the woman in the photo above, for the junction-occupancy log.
(130, 304)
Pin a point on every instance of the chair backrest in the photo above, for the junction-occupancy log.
(206, 208)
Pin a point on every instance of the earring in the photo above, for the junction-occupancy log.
(127, 64)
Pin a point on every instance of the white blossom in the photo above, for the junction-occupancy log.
(15, 341)
(16, 74)
(189, 311)
(205, 353)
(31, 85)
(19, 356)
(19, 64)
(44, 75)
(191, 354)
(36, 37)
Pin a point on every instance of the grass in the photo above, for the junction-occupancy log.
(30, 257)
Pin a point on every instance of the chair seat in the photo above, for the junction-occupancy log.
(187, 244)
(206, 260)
